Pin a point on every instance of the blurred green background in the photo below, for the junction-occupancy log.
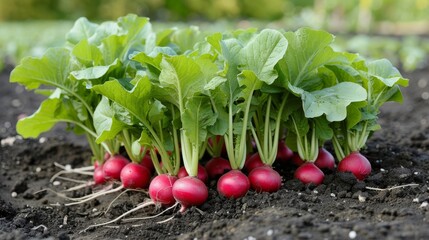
(396, 29)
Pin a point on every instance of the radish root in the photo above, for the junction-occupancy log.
(146, 204)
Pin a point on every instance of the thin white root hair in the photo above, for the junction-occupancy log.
(116, 198)
(103, 190)
(40, 226)
(149, 217)
(120, 217)
(56, 175)
(95, 195)
(87, 168)
(80, 186)
(71, 180)
(166, 220)
(62, 195)
(391, 188)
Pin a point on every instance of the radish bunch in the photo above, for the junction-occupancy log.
(249, 101)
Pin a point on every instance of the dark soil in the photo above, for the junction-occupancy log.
(341, 208)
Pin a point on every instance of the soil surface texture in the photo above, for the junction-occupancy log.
(392, 203)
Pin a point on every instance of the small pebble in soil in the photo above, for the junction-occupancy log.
(352, 234)
(270, 232)
(56, 183)
(424, 204)
(422, 83)
(14, 194)
(361, 198)
(38, 169)
(16, 103)
(42, 140)
(9, 141)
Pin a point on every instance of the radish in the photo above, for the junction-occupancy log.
(325, 160)
(216, 167)
(113, 166)
(160, 189)
(202, 173)
(106, 156)
(99, 177)
(253, 162)
(190, 191)
(132, 176)
(357, 164)
(265, 179)
(283, 152)
(309, 173)
(233, 184)
(147, 162)
(135, 176)
(297, 160)
(216, 146)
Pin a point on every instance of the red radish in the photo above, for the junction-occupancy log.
(265, 179)
(325, 160)
(202, 173)
(190, 191)
(113, 166)
(216, 140)
(309, 173)
(135, 176)
(147, 162)
(233, 184)
(161, 189)
(297, 160)
(106, 156)
(216, 167)
(283, 152)
(357, 164)
(252, 162)
(96, 164)
(99, 177)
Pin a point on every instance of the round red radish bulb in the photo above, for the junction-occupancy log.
(161, 189)
(202, 173)
(253, 162)
(113, 166)
(309, 173)
(357, 164)
(283, 153)
(325, 160)
(265, 179)
(99, 177)
(135, 176)
(216, 167)
(297, 160)
(190, 191)
(233, 184)
(147, 162)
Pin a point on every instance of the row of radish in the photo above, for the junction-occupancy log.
(167, 189)
(175, 94)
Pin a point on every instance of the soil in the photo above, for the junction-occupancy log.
(341, 208)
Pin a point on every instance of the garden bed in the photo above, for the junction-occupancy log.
(340, 208)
